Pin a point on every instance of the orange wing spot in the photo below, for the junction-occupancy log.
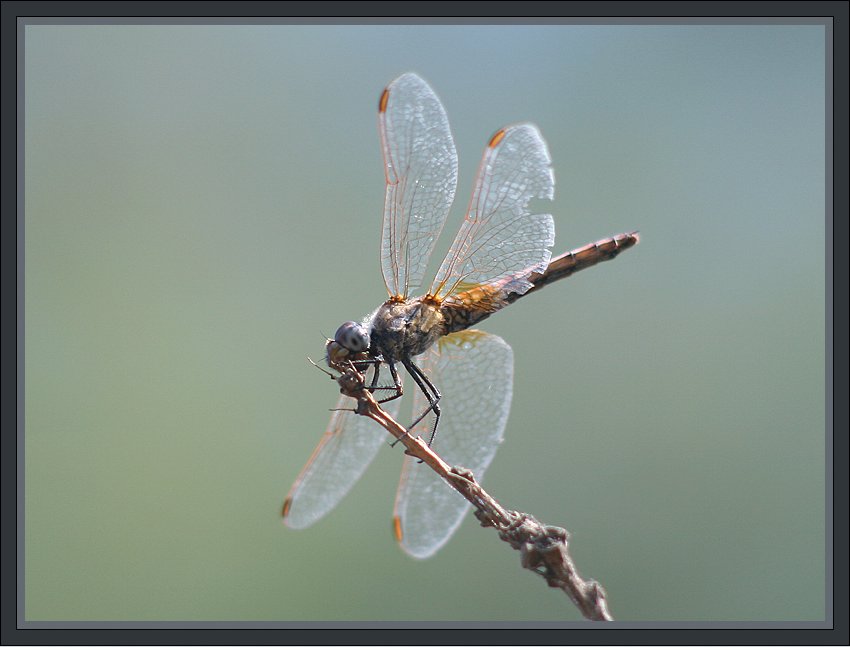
(286, 506)
(397, 532)
(495, 139)
(382, 102)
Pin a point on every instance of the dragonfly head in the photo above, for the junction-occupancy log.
(350, 343)
(353, 337)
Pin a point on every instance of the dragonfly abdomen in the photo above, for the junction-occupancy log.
(581, 258)
(467, 308)
(475, 304)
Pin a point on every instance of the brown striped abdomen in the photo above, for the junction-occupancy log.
(467, 308)
(567, 264)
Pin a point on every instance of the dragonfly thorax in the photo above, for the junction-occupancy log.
(404, 329)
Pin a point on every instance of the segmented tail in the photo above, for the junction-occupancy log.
(568, 264)
(467, 308)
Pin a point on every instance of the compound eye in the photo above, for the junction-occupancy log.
(352, 336)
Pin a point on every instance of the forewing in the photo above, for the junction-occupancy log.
(500, 240)
(420, 163)
(474, 372)
(342, 455)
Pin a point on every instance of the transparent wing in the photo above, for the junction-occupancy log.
(474, 372)
(500, 240)
(420, 163)
(340, 459)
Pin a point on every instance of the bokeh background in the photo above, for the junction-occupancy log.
(203, 205)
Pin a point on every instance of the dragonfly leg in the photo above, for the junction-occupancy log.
(362, 365)
(397, 385)
(434, 396)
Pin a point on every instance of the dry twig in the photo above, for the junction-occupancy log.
(543, 549)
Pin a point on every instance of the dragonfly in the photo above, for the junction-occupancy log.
(463, 376)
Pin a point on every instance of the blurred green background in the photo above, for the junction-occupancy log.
(203, 205)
